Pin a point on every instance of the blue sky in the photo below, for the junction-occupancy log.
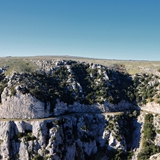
(110, 29)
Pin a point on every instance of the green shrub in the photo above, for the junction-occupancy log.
(149, 135)
(38, 157)
(13, 91)
(20, 135)
(158, 131)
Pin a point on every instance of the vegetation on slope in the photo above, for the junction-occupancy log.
(3, 83)
(87, 84)
(147, 88)
(148, 139)
(116, 125)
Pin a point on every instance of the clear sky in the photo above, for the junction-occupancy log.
(110, 29)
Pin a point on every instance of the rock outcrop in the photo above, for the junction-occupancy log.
(67, 137)
(27, 106)
(22, 106)
(63, 111)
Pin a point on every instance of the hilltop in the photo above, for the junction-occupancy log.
(132, 66)
(47, 84)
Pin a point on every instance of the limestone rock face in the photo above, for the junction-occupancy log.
(27, 106)
(66, 137)
(76, 130)
(22, 106)
(151, 107)
(62, 108)
(33, 95)
(155, 157)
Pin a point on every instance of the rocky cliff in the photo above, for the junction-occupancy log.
(75, 110)
(76, 136)
(58, 87)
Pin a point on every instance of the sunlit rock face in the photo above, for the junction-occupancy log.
(22, 106)
(27, 106)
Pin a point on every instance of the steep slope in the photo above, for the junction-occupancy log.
(84, 136)
(79, 98)
(67, 86)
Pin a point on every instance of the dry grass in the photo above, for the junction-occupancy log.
(22, 64)
(17, 64)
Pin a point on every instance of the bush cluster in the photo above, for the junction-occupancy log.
(148, 139)
(146, 88)
(48, 87)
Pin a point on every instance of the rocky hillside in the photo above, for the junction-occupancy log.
(65, 109)
(57, 87)
(78, 136)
